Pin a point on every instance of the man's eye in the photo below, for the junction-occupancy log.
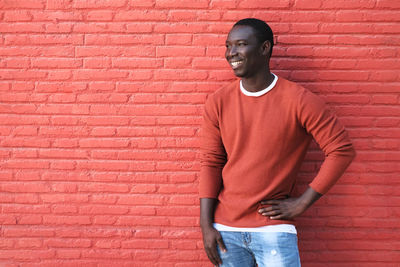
(241, 44)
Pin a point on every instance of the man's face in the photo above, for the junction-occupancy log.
(244, 52)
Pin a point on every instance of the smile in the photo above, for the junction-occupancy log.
(236, 64)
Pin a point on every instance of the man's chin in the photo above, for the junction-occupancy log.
(239, 73)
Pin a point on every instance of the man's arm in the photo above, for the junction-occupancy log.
(332, 138)
(213, 159)
(211, 237)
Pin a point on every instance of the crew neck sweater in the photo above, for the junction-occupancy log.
(252, 149)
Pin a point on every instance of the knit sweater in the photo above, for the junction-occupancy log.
(252, 149)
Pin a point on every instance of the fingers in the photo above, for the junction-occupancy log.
(213, 256)
(221, 244)
(274, 212)
(270, 213)
(277, 217)
(271, 202)
(212, 251)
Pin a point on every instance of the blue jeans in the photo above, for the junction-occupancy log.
(250, 249)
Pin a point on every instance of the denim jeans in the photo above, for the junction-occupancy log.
(250, 249)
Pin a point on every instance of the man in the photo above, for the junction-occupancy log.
(255, 135)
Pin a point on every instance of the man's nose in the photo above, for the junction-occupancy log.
(232, 51)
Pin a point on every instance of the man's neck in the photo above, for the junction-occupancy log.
(258, 83)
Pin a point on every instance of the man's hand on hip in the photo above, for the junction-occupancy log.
(287, 209)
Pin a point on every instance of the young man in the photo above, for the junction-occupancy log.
(255, 135)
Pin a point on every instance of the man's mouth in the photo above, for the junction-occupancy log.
(235, 64)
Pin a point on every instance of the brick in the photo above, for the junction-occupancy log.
(71, 154)
(66, 220)
(178, 39)
(59, 75)
(110, 244)
(56, 63)
(99, 4)
(23, 198)
(25, 209)
(140, 28)
(142, 221)
(25, 187)
(7, 219)
(64, 209)
(68, 243)
(116, 51)
(180, 51)
(261, 4)
(301, 4)
(387, 4)
(105, 220)
(139, 199)
(151, 244)
(98, 75)
(102, 199)
(96, 63)
(124, 39)
(142, 3)
(104, 210)
(63, 198)
(137, 63)
(106, 254)
(182, 15)
(141, 15)
(68, 254)
(28, 4)
(182, 75)
(178, 63)
(342, 4)
(178, 211)
(100, 15)
(112, 143)
(381, 15)
(101, 86)
(65, 143)
(103, 187)
(6, 175)
(180, 27)
(15, 16)
(98, 27)
(181, 4)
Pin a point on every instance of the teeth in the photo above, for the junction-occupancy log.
(236, 63)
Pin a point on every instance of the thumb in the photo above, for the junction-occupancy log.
(221, 244)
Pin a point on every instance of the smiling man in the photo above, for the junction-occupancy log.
(255, 135)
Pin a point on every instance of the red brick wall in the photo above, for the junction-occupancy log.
(99, 118)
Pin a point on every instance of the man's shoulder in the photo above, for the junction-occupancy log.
(290, 87)
(224, 92)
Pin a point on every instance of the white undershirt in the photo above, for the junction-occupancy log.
(259, 93)
(283, 228)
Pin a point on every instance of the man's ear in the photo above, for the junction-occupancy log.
(266, 48)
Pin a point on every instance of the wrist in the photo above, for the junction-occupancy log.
(308, 198)
(206, 225)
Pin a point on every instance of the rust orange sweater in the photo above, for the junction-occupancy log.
(252, 148)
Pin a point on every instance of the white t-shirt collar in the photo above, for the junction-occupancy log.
(259, 93)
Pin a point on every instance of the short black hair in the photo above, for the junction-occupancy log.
(261, 28)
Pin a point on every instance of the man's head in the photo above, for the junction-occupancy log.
(249, 47)
(261, 29)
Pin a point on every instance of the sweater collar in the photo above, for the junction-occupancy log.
(259, 93)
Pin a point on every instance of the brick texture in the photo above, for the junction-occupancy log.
(100, 112)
